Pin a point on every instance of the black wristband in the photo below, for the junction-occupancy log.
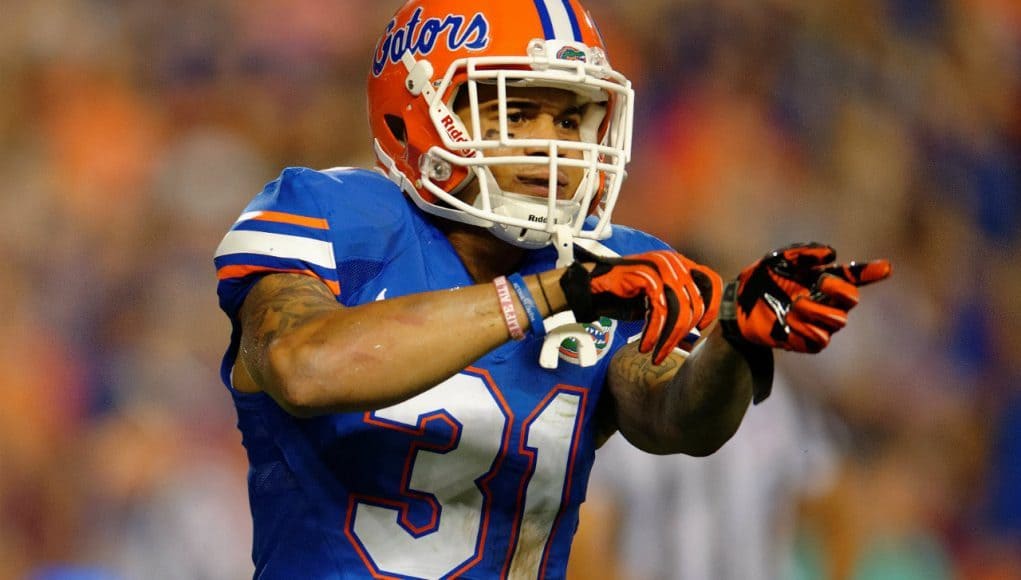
(728, 310)
(758, 357)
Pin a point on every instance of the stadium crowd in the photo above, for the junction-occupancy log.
(133, 133)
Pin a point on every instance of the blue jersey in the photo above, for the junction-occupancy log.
(479, 477)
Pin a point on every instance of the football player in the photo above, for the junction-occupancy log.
(426, 355)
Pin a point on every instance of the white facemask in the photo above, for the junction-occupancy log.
(525, 220)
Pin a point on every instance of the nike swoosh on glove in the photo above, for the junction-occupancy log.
(794, 298)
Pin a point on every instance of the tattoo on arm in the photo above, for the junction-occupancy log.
(694, 411)
(277, 304)
(636, 371)
(633, 382)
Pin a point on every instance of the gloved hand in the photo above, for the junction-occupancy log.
(795, 298)
(672, 293)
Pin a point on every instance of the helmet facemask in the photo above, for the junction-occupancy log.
(604, 98)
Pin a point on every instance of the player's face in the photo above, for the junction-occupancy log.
(532, 113)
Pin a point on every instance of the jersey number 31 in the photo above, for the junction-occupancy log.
(454, 478)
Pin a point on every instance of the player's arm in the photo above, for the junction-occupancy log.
(313, 355)
(687, 405)
(794, 298)
(660, 403)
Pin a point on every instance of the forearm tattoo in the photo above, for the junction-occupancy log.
(277, 304)
(640, 390)
(636, 370)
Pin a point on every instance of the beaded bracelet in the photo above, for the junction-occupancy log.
(538, 328)
(510, 315)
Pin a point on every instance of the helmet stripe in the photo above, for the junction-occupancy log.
(574, 20)
(558, 19)
(547, 25)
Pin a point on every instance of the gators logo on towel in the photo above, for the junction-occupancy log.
(601, 330)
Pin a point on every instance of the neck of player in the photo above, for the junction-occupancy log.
(483, 255)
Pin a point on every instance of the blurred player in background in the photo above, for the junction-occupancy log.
(425, 356)
(747, 494)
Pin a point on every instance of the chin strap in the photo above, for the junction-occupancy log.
(563, 326)
(563, 241)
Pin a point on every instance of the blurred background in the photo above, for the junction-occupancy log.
(133, 133)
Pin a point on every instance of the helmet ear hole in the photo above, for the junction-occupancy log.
(397, 128)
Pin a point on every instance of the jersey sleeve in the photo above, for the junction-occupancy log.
(339, 226)
(283, 230)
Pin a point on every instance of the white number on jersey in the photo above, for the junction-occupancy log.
(475, 409)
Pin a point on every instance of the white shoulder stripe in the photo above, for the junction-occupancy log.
(249, 215)
(278, 246)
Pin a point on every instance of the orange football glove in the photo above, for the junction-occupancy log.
(672, 293)
(795, 298)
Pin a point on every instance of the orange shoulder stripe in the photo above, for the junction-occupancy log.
(228, 272)
(290, 218)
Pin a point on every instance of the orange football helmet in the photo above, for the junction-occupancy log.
(433, 49)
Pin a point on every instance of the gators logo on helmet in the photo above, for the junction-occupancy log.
(571, 53)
